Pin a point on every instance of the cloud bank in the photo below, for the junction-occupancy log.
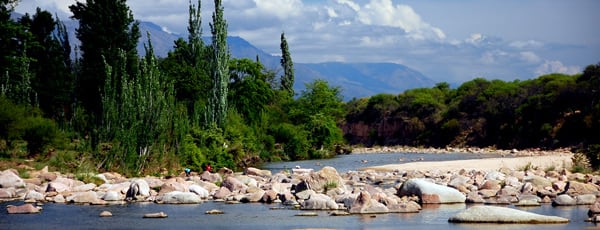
(391, 31)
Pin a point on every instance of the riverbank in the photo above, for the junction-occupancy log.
(368, 191)
(545, 162)
(449, 150)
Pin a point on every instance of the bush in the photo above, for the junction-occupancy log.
(39, 132)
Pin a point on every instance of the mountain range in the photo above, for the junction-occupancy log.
(356, 80)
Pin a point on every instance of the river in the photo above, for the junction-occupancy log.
(274, 216)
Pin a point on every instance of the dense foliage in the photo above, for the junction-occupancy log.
(548, 112)
(109, 109)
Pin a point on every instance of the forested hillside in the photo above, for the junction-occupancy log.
(550, 111)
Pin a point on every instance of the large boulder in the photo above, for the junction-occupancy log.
(222, 193)
(88, 197)
(177, 197)
(8, 178)
(138, 187)
(495, 214)
(364, 204)
(111, 196)
(578, 188)
(319, 202)
(199, 190)
(22, 209)
(34, 195)
(325, 179)
(234, 185)
(57, 187)
(564, 200)
(430, 193)
(586, 199)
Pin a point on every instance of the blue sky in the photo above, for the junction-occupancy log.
(447, 40)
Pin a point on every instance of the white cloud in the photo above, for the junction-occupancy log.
(282, 9)
(530, 57)
(556, 67)
(475, 38)
(529, 44)
(350, 3)
(384, 13)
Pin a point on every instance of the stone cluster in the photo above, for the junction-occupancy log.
(353, 192)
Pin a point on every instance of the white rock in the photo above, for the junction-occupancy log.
(494, 214)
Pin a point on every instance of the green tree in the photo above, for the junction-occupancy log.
(106, 28)
(217, 106)
(249, 91)
(51, 66)
(287, 80)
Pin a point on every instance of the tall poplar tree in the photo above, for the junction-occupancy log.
(287, 80)
(105, 28)
(217, 110)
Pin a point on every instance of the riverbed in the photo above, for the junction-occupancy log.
(276, 216)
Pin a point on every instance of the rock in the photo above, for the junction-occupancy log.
(339, 213)
(319, 202)
(22, 209)
(8, 178)
(222, 193)
(325, 179)
(214, 212)
(111, 196)
(253, 197)
(474, 197)
(234, 185)
(502, 215)
(405, 207)
(33, 195)
(83, 197)
(155, 215)
(84, 188)
(364, 204)
(528, 200)
(177, 197)
(491, 185)
(564, 200)
(200, 191)
(495, 175)
(508, 191)
(138, 187)
(269, 196)
(537, 181)
(211, 177)
(57, 187)
(585, 199)
(487, 193)
(59, 199)
(257, 172)
(594, 209)
(430, 193)
(304, 195)
(459, 181)
(6, 193)
(578, 188)
(307, 214)
(106, 214)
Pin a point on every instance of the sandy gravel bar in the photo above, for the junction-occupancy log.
(562, 160)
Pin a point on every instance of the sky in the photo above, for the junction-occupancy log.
(446, 40)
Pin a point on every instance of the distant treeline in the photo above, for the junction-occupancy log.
(550, 111)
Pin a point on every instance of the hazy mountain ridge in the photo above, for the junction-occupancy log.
(355, 79)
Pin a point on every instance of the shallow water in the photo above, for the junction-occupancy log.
(262, 216)
(353, 162)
